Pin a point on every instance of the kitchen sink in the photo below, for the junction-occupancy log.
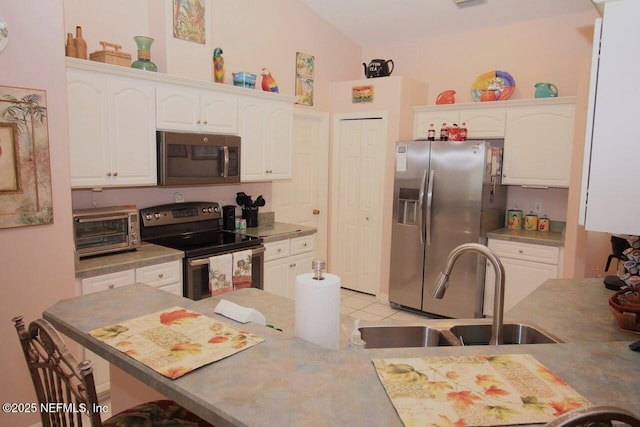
(512, 333)
(393, 336)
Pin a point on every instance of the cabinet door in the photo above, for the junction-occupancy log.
(279, 122)
(219, 112)
(424, 119)
(521, 278)
(299, 264)
(132, 132)
(538, 144)
(612, 204)
(252, 130)
(276, 277)
(88, 128)
(91, 285)
(178, 108)
(484, 122)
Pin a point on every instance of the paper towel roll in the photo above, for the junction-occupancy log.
(318, 310)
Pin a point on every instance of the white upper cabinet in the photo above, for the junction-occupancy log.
(481, 121)
(537, 146)
(266, 132)
(610, 201)
(198, 110)
(111, 130)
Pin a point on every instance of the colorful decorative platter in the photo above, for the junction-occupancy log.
(493, 86)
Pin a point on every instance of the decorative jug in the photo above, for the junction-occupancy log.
(144, 54)
(446, 97)
(378, 68)
(546, 90)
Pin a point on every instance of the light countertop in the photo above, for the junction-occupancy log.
(549, 238)
(146, 254)
(272, 232)
(288, 381)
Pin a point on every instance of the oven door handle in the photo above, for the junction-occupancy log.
(203, 261)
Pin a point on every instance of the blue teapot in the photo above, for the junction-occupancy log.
(546, 90)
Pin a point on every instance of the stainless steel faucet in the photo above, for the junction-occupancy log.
(442, 283)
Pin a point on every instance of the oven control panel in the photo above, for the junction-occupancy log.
(179, 213)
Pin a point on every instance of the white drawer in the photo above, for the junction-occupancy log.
(276, 250)
(525, 251)
(107, 281)
(300, 245)
(160, 274)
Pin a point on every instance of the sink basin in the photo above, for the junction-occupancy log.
(512, 333)
(393, 336)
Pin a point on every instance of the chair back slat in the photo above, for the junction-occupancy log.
(57, 377)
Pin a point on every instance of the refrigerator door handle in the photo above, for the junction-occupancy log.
(420, 204)
(432, 174)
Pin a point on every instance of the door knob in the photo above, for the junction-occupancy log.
(316, 212)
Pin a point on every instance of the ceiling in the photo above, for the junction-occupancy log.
(370, 22)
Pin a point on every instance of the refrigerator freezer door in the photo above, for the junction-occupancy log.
(407, 231)
(457, 171)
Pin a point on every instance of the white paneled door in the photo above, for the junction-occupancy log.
(303, 199)
(357, 197)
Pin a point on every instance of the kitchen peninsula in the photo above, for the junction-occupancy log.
(287, 381)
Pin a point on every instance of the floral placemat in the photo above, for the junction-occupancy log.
(175, 341)
(475, 390)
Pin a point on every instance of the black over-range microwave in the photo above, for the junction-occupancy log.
(197, 159)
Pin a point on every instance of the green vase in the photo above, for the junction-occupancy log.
(144, 54)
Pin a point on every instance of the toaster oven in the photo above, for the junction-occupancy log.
(105, 230)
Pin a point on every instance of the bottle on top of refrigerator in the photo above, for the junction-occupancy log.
(431, 133)
(444, 132)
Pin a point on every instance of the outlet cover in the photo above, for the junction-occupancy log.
(537, 207)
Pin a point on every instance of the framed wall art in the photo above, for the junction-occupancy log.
(189, 20)
(25, 171)
(305, 65)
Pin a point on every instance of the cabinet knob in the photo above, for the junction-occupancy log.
(520, 251)
(197, 122)
(160, 276)
(205, 122)
(108, 173)
(316, 212)
(115, 174)
(279, 249)
(111, 286)
(304, 244)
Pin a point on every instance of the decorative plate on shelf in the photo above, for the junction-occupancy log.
(493, 86)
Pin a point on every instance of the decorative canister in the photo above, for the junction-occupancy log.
(514, 219)
(543, 224)
(531, 222)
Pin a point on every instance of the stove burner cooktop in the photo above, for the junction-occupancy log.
(192, 227)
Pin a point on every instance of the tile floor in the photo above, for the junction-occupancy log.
(367, 308)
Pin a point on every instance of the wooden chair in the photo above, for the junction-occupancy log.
(595, 416)
(67, 389)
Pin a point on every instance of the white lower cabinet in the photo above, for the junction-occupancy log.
(526, 267)
(166, 276)
(283, 261)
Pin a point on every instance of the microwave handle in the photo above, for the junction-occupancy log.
(225, 168)
(102, 218)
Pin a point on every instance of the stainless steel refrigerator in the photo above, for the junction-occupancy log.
(445, 194)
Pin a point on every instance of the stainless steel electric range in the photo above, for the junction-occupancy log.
(195, 228)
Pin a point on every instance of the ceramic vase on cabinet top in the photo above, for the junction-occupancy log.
(144, 54)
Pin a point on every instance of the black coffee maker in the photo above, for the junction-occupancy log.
(229, 217)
